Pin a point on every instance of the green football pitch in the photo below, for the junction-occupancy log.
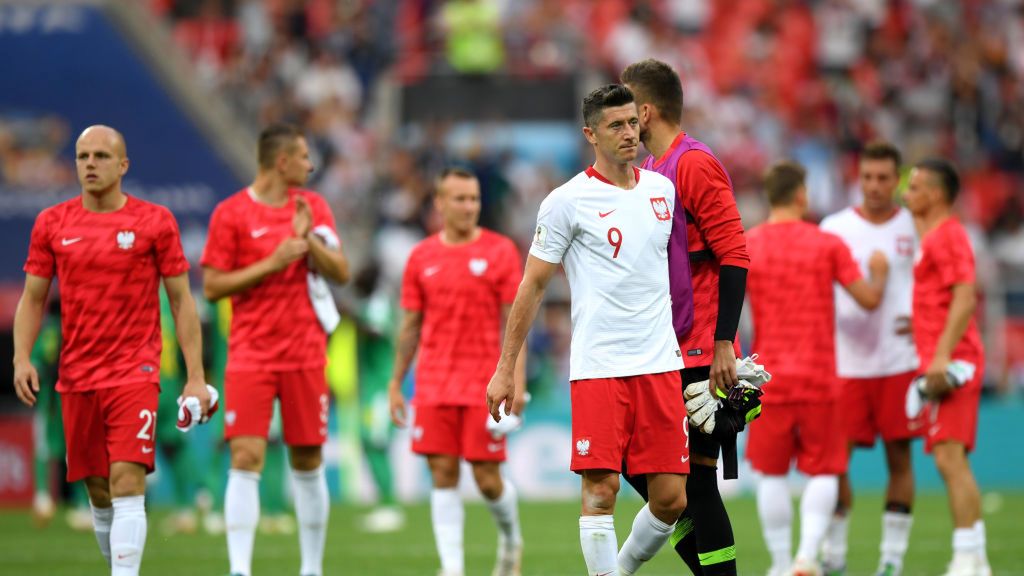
(550, 531)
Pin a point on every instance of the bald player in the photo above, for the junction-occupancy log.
(109, 252)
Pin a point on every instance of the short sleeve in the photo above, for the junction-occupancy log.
(844, 268)
(554, 230)
(221, 242)
(170, 258)
(412, 291)
(955, 262)
(511, 273)
(41, 261)
(322, 215)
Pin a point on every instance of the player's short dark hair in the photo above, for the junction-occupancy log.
(945, 174)
(456, 171)
(882, 150)
(606, 96)
(655, 82)
(274, 139)
(781, 182)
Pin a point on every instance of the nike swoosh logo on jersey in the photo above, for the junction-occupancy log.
(69, 241)
(603, 214)
(260, 232)
(146, 449)
(431, 271)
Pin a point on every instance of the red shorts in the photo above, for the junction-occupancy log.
(455, 431)
(955, 417)
(877, 407)
(639, 420)
(249, 405)
(811, 432)
(110, 425)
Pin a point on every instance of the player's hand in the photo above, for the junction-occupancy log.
(198, 389)
(26, 382)
(288, 251)
(519, 404)
(878, 265)
(500, 389)
(936, 383)
(302, 220)
(396, 404)
(723, 368)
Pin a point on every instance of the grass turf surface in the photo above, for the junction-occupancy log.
(550, 530)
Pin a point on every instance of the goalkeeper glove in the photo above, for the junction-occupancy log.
(958, 374)
(190, 412)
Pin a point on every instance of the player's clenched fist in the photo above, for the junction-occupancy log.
(288, 251)
(500, 389)
(26, 382)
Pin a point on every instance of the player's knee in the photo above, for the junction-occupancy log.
(246, 458)
(599, 497)
(126, 483)
(444, 471)
(306, 458)
(950, 459)
(99, 491)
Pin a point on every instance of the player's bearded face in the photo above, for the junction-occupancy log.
(618, 133)
(878, 180)
(100, 163)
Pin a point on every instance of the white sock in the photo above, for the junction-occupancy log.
(895, 537)
(645, 539)
(241, 515)
(965, 543)
(597, 538)
(834, 548)
(312, 505)
(505, 511)
(816, 507)
(448, 518)
(776, 513)
(101, 520)
(127, 535)
(980, 540)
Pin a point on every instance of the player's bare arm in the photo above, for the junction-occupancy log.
(27, 319)
(868, 293)
(961, 309)
(219, 284)
(520, 370)
(190, 337)
(405, 350)
(502, 386)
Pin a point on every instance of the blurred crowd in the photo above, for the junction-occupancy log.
(810, 80)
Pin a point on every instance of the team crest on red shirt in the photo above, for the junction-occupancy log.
(478, 266)
(125, 239)
(660, 207)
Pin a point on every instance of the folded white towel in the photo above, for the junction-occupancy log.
(319, 292)
(190, 412)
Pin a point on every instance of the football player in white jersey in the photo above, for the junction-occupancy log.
(609, 228)
(875, 354)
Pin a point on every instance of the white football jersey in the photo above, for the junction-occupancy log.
(613, 244)
(867, 345)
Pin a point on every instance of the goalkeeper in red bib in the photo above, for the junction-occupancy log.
(707, 243)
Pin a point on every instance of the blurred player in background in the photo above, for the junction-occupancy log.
(793, 266)
(875, 355)
(264, 242)
(609, 227)
(707, 217)
(945, 331)
(456, 292)
(109, 252)
(377, 321)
